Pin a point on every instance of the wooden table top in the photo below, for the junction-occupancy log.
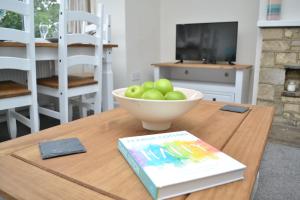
(103, 173)
(52, 45)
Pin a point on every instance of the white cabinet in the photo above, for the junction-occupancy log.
(227, 83)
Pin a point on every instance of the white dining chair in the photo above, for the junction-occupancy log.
(86, 101)
(12, 94)
(64, 86)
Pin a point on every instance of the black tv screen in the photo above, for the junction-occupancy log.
(209, 42)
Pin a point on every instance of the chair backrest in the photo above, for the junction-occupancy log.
(26, 36)
(66, 39)
(91, 29)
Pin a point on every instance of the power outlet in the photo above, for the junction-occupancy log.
(135, 76)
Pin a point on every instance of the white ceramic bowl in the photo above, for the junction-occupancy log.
(158, 114)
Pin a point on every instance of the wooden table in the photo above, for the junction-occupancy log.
(49, 51)
(102, 172)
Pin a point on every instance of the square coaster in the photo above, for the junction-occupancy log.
(62, 147)
(238, 109)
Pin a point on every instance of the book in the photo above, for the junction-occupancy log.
(177, 163)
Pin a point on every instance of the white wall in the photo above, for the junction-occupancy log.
(116, 8)
(135, 28)
(142, 38)
(290, 10)
(197, 11)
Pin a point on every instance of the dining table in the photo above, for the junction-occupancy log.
(103, 173)
(48, 51)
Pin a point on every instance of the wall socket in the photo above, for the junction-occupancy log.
(135, 76)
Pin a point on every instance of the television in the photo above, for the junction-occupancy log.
(207, 42)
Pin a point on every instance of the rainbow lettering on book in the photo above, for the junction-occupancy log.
(174, 152)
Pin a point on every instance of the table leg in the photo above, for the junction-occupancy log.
(241, 85)
(107, 81)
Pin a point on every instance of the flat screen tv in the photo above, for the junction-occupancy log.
(207, 42)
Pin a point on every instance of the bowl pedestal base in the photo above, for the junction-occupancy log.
(156, 126)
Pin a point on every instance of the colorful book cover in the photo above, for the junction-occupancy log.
(161, 160)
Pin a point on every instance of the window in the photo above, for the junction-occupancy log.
(46, 12)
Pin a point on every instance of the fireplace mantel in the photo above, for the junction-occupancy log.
(278, 23)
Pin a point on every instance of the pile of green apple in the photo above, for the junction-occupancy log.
(160, 90)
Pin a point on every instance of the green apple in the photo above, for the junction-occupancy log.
(134, 91)
(164, 86)
(175, 95)
(153, 94)
(148, 85)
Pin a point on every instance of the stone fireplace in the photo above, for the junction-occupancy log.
(280, 66)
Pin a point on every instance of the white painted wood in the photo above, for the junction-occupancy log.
(108, 103)
(11, 123)
(49, 112)
(82, 16)
(48, 91)
(81, 39)
(15, 102)
(205, 75)
(45, 54)
(83, 109)
(227, 86)
(29, 27)
(107, 29)
(15, 6)
(211, 91)
(83, 60)
(221, 88)
(62, 63)
(257, 66)
(156, 73)
(26, 63)
(99, 52)
(15, 63)
(66, 59)
(77, 91)
(70, 109)
(14, 35)
(278, 23)
(21, 118)
(239, 86)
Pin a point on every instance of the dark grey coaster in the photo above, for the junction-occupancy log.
(62, 147)
(231, 108)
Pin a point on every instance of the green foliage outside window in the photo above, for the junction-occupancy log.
(45, 12)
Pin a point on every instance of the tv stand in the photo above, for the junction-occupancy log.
(230, 63)
(218, 82)
(177, 62)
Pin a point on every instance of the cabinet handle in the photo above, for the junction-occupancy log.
(214, 99)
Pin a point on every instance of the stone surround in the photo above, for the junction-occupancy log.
(280, 47)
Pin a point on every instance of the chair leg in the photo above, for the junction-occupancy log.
(83, 109)
(70, 111)
(34, 118)
(63, 109)
(11, 124)
(97, 105)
